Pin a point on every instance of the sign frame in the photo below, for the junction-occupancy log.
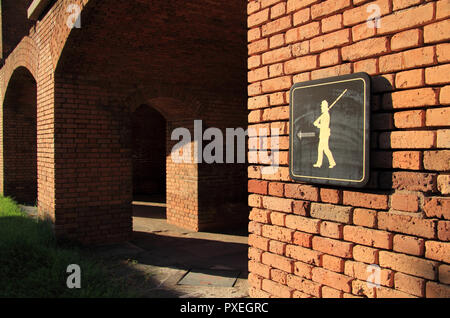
(347, 182)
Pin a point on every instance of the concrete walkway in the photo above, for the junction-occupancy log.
(180, 263)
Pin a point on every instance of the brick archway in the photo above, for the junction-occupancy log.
(19, 138)
(99, 77)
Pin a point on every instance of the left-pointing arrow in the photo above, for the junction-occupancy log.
(301, 135)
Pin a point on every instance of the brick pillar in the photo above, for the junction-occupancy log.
(93, 183)
(182, 182)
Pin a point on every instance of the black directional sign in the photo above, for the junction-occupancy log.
(329, 130)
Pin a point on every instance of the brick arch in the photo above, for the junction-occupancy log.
(171, 101)
(61, 34)
(25, 55)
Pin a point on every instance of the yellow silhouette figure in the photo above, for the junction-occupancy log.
(323, 123)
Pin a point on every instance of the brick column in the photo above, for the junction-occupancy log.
(326, 241)
(93, 175)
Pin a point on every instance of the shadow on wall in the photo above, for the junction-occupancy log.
(382, 123)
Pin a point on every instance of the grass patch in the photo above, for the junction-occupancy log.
(33, 264)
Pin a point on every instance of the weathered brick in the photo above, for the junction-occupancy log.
(409, 245)
(332, 23)
(255, 280)
(331, 229)
(259, 215)
(330, 196)
(303, 32)
(303, 224)
(365, 217)
(410, 79)
(330, 212)
(443, 52)
(294, 5)
(302, 16)
(328, 292)
(438, 207)
(277, 233)
(408, 140)
(437, 160)
(367, 200)
(437, 32)
(258, 242)
(439, 251)
(423, 56)
(301, 64)
(444, 274)
(327, 7)
(436, 290)
(412, 181)
(407, 224)
(365, 254)
(409, 265)
(364, 271)
(444, 230)
(385, 292)
(303, 270)
(332, 279)
(277, 55)
(276, 84)
(302, 239)
(444, 184)
(410, 284)
(411, 98)
(361, 13)
(332, 247)
(438, 116)
(368, 237)
(409, 119)
(304, 192)
(330, 40)
(406, 39)
(277, 204)
(406, 19)
(276, 289)
(304, 285)
(259, 269)
(405, 202)
(258, 18)
(332, 263)
(304, 255)
(437, 75)
(364, 49)
(277, 261)
(277, 218)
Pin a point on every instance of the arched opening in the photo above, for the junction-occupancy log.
(20, 138)
(169, 51)
(149, 155)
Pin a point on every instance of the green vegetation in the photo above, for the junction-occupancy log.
(33, 264)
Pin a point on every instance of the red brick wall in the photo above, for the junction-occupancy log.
(314, 241)
(14, 25)
(89, 81)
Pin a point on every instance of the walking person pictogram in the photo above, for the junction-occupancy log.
(323, 123)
